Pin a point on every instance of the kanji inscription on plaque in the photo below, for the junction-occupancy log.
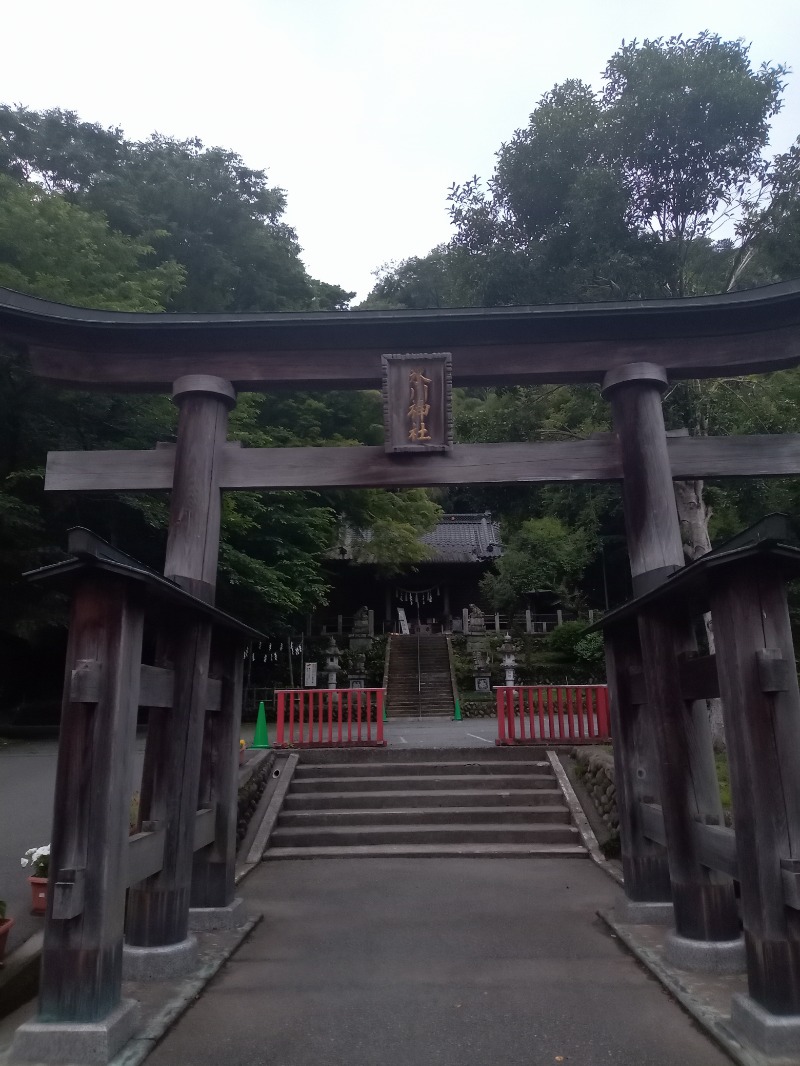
(417, 404)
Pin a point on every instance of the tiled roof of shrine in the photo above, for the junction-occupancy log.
(458, 538)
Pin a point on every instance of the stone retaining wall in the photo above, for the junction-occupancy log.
(250, 792)
(596, 770)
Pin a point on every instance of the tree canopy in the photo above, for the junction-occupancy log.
(623, 193)
(88, 217)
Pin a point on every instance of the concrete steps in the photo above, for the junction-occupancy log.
(430, 851)
(397, 783)
(423, 803)
(443, 769)
(419, 798)
(419, 683)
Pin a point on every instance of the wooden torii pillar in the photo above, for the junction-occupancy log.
(707, 931)
(158, 914)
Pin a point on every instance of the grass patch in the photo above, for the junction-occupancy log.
(724, 779)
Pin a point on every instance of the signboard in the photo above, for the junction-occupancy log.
(417, 403)
(310, 679)
(401, 614)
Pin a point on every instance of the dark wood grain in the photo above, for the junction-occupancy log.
(651, 519)
(82, 956)
(715, 845)
(214, 865)
(545, 461)
(158, 908)
(763, 735)
(644, 862)
(477, 359)
(156, 686)
(704, 902)
(194, 517)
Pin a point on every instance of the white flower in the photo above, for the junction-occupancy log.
(33, 855)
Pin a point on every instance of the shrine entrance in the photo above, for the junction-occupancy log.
(677, 854)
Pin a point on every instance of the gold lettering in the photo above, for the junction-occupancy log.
(419, 409)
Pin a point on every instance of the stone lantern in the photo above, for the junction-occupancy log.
(358, 675)
(509, 659)
(332, 654)
(481, 673)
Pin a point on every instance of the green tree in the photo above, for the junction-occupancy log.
(56, 148)
(55, 249)
(541, 554)
(687, 122)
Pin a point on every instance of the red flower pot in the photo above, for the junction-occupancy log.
(38, 894)
(5, 929)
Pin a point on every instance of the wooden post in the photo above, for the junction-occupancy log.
(82, 957)
(528, 620)
(644, 862)
(194, 516)
(651, 516)
(158, 908)
(704, 901)
(496, 622)
(761, 708)
(213, 868)
(705, 907)
(465, 620)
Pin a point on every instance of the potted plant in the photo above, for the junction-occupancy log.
(5, 929)
(39, 861)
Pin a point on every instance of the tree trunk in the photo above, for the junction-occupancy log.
(694, 515)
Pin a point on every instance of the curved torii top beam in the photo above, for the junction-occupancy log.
(748, 332)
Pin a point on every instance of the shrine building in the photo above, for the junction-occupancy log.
(434, 593)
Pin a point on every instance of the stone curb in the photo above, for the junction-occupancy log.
(155, 1029)
(581, 821)
(713, 1022)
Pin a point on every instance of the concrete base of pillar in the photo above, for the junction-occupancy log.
(776, 1035)
(636, 912)
(705, 956)
(207, 919)
(159, 963)
(70, 1042)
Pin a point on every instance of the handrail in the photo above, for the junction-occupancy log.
(555, 714)
(419, 677)
(329, 718)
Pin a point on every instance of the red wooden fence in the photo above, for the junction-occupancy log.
(536, 714)
(324, 718)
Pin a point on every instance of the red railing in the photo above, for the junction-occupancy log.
(552, 714)
(323, 717)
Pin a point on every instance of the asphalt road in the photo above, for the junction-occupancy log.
(433, 962)
(27, 782)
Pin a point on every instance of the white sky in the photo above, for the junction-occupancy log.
(364, 111)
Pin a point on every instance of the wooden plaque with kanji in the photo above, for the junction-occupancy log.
(417, 403)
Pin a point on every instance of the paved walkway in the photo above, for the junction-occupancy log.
(438, 962)
(27, 772)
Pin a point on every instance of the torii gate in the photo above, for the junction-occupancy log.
(632, 350)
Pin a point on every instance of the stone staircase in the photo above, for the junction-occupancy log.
(426, 802)
(432, 694)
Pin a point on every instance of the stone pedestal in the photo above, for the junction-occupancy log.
(62, 1043)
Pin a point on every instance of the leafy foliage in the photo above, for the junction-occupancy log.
(542, 554)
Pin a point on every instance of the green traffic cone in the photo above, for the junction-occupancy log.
(261, 739)
(457, 716)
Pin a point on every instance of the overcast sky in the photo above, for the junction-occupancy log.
(364, 111)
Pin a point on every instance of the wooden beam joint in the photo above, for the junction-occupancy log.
(773, 670)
